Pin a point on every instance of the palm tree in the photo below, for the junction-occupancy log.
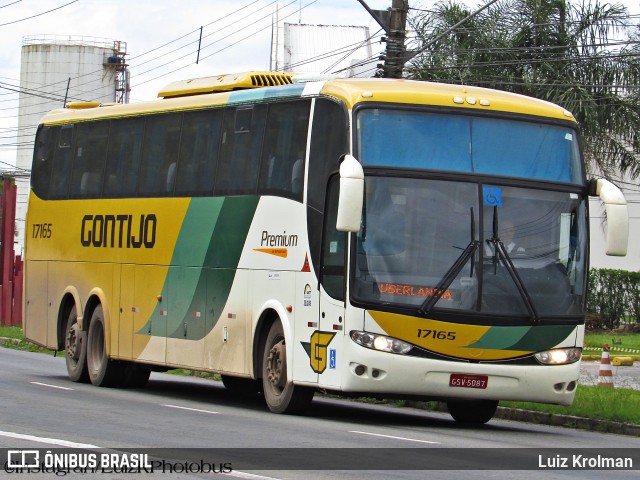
(581, 56)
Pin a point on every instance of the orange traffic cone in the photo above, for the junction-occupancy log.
(605, 375)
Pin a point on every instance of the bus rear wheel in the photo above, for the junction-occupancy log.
(281, 395)
(75, 347)
(476, 412)
(102, 371)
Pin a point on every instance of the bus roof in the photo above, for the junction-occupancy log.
(354, 91)
(248, 88)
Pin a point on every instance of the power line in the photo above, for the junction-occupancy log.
(9, 4)
(197, 30)
(62, 83)
(190, 53)
(228, 46)
(38, 15)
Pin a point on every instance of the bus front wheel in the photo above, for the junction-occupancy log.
(75, 347)
(281, 395)
(102, 371)
(474, 412)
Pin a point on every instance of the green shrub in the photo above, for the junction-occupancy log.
(613, 296)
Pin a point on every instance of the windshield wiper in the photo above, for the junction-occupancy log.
(501, 252)
(453, 272)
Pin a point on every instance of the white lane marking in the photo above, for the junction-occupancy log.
(191, 409)
(48, 441)
(248, 476)
(391, 436)
(51, 386)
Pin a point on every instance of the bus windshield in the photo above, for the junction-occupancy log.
(433, 245)
(464, 143)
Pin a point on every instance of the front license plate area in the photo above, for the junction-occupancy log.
(468, 381)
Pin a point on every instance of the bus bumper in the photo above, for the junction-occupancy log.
(374, 372)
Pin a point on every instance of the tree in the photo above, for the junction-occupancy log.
(581, 56)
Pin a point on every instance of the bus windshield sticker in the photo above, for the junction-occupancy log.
(492, 196)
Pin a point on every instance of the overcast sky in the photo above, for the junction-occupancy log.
(162, 36)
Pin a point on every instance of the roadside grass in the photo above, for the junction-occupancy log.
(17, 342)
(11, 332)
(617, 405)
(618, 340)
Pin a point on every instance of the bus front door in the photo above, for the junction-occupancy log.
(326, 348)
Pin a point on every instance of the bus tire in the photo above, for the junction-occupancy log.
(102, 371)
(242, 387)
(75, 347)
(476, 412)
(281, 396)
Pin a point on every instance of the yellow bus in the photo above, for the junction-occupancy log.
(360, 236)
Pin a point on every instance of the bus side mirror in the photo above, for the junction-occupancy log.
(617, 228)
(351, 195)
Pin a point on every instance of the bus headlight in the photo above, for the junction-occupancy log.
(559, 356)
(381, 343)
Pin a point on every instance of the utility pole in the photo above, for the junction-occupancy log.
(394, 23)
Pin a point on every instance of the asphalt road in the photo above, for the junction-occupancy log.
(41, 408)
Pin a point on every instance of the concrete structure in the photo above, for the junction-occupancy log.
(56, 70)
(323, 49)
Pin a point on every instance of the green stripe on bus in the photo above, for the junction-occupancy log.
(533, 339)
(197, 295)
(543, 337)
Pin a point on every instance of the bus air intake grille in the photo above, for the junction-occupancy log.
(271, 80)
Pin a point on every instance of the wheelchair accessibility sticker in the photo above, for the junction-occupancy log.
(492, 196)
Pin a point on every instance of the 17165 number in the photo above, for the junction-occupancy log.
(41, 230)
(436, 334)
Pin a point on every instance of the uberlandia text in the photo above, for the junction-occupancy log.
(581, 461)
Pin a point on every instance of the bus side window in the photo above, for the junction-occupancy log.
(198, 152)
(242, 132)
(62, 163)
(160, 150)
(283, 153)
(123, 157)
(42, 160)
(89, 161)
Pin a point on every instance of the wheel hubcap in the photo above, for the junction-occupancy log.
(72, 345)
(277, 366)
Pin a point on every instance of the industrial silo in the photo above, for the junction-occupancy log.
(56, 70)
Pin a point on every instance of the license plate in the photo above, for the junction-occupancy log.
(468, 381)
